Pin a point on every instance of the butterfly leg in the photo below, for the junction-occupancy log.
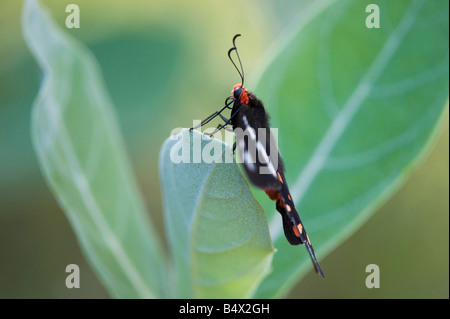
(228, 102)
(229, 129)
(226, 123)
(219, 127)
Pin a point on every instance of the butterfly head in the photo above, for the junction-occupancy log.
(240, 93)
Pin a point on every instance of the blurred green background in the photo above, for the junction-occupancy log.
(164, 64)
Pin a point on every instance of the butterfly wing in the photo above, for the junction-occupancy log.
(293, 227)
(252, 145)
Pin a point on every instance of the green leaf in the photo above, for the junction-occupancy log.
(217, 231)
(83, 159)
(356, 109)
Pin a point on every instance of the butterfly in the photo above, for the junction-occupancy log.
(260, 156)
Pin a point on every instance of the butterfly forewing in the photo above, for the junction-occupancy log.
(257, 150)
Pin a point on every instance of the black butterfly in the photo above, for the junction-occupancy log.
(260, 156)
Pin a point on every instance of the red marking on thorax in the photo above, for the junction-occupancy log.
(243, 98)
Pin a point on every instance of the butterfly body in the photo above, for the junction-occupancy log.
(252, 117)
(260, 156)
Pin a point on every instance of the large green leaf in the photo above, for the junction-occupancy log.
(217, 231)
(355, 110)
(83, 159)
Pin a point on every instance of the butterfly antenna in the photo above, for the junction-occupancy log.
(241, 70)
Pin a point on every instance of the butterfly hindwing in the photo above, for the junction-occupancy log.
(293, 227)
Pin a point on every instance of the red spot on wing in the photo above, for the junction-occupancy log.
(295, 231)
(279, 177)
(300, 228)
(273, 195)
